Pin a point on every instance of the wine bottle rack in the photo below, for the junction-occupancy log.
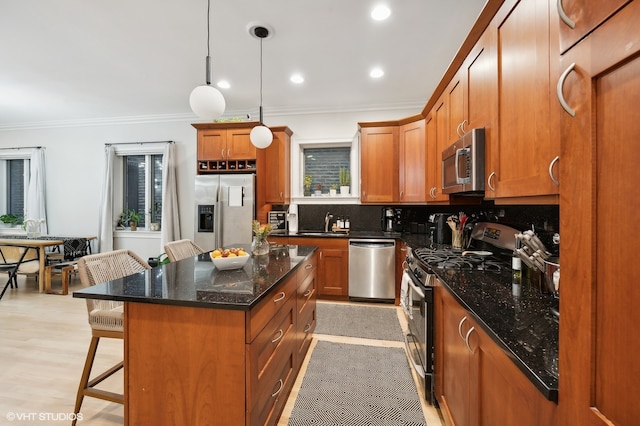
(219, 166)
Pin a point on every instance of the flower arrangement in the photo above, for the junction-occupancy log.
(261, 232)
(32, 226)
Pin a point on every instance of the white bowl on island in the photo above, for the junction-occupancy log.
(229, 263)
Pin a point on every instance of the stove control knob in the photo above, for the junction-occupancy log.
(418, 273)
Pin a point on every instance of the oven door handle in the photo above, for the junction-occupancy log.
(416, 366)
(416, 289)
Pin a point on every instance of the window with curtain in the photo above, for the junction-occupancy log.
(14, 178)
(17, 184)
(142, 187)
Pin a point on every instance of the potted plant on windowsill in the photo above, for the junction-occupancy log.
(318, 190)
(345, 178)
(333, 190)
(307, 185)
(10, 220)
(134, 218)
(153, 216)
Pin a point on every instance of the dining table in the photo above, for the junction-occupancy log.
(41, 244)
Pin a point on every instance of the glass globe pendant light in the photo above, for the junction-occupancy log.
(261, 136)
(206, 101)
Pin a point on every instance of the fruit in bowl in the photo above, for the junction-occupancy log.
(231, 258)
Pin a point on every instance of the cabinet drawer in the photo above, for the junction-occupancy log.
(273, 392)
(275, 334)
(307, 267)
(259, 316)
(305, 325)
(306, 291)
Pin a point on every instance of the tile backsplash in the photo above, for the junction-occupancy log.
(544, 219)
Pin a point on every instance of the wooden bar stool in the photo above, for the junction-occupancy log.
(64, 270)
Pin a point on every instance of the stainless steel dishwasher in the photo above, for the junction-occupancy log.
(372, 265)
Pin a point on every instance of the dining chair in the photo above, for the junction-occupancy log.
(181, 249)
(65, 264)
(106, 317)
(17, 260)
(10, 265)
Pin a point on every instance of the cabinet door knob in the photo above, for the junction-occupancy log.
(551, 175)
(460, 326)
(281, 385)
(492, 175)
(466, 339)
(563, 15)
(280, 334)
(563, 103)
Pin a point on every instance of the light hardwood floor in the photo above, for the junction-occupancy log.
(43, 344)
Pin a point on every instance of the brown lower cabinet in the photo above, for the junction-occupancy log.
(476, 382)
(225, 366)
(333, 264)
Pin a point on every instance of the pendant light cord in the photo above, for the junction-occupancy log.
(261, 39)
(208, 70)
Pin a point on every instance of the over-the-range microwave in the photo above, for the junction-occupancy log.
(463, 165)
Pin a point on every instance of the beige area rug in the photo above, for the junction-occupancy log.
(347, 384)
(362, 321)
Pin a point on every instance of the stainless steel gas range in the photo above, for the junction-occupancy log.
(418, 285)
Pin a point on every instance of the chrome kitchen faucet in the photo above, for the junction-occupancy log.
(327, 220)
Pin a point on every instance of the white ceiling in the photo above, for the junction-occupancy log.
(79, 61)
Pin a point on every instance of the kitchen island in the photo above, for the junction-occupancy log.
(204, 346)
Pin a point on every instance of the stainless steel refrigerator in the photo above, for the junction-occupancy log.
(225, 208)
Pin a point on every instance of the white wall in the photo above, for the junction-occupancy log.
(75, 161)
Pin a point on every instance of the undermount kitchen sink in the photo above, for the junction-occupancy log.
(318, 234)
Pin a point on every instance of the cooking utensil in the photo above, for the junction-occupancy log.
(477, 252)
(551, 274)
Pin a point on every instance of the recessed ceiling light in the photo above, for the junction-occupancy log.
(380, 13)
(223, 84)
(376, 73)
(297, 78)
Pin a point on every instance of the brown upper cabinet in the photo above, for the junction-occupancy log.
(276, 174)
(379, 164)
(579, 17)
(455, 108)
(413, 162)
(221, 145)
(523, 166)
(441, 139)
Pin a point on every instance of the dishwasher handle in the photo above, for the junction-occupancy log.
(374, 244)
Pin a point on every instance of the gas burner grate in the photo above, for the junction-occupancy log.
(449, 259)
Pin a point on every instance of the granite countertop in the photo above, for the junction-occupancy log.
(412, 240)
(196, 282)
(522, 326)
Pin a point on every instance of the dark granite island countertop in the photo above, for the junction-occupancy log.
(211, 344)
(196, 282)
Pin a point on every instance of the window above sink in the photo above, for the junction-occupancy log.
(320, 161)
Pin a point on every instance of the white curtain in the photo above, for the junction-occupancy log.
(170, 230)
(105, 234)
(36, 206)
